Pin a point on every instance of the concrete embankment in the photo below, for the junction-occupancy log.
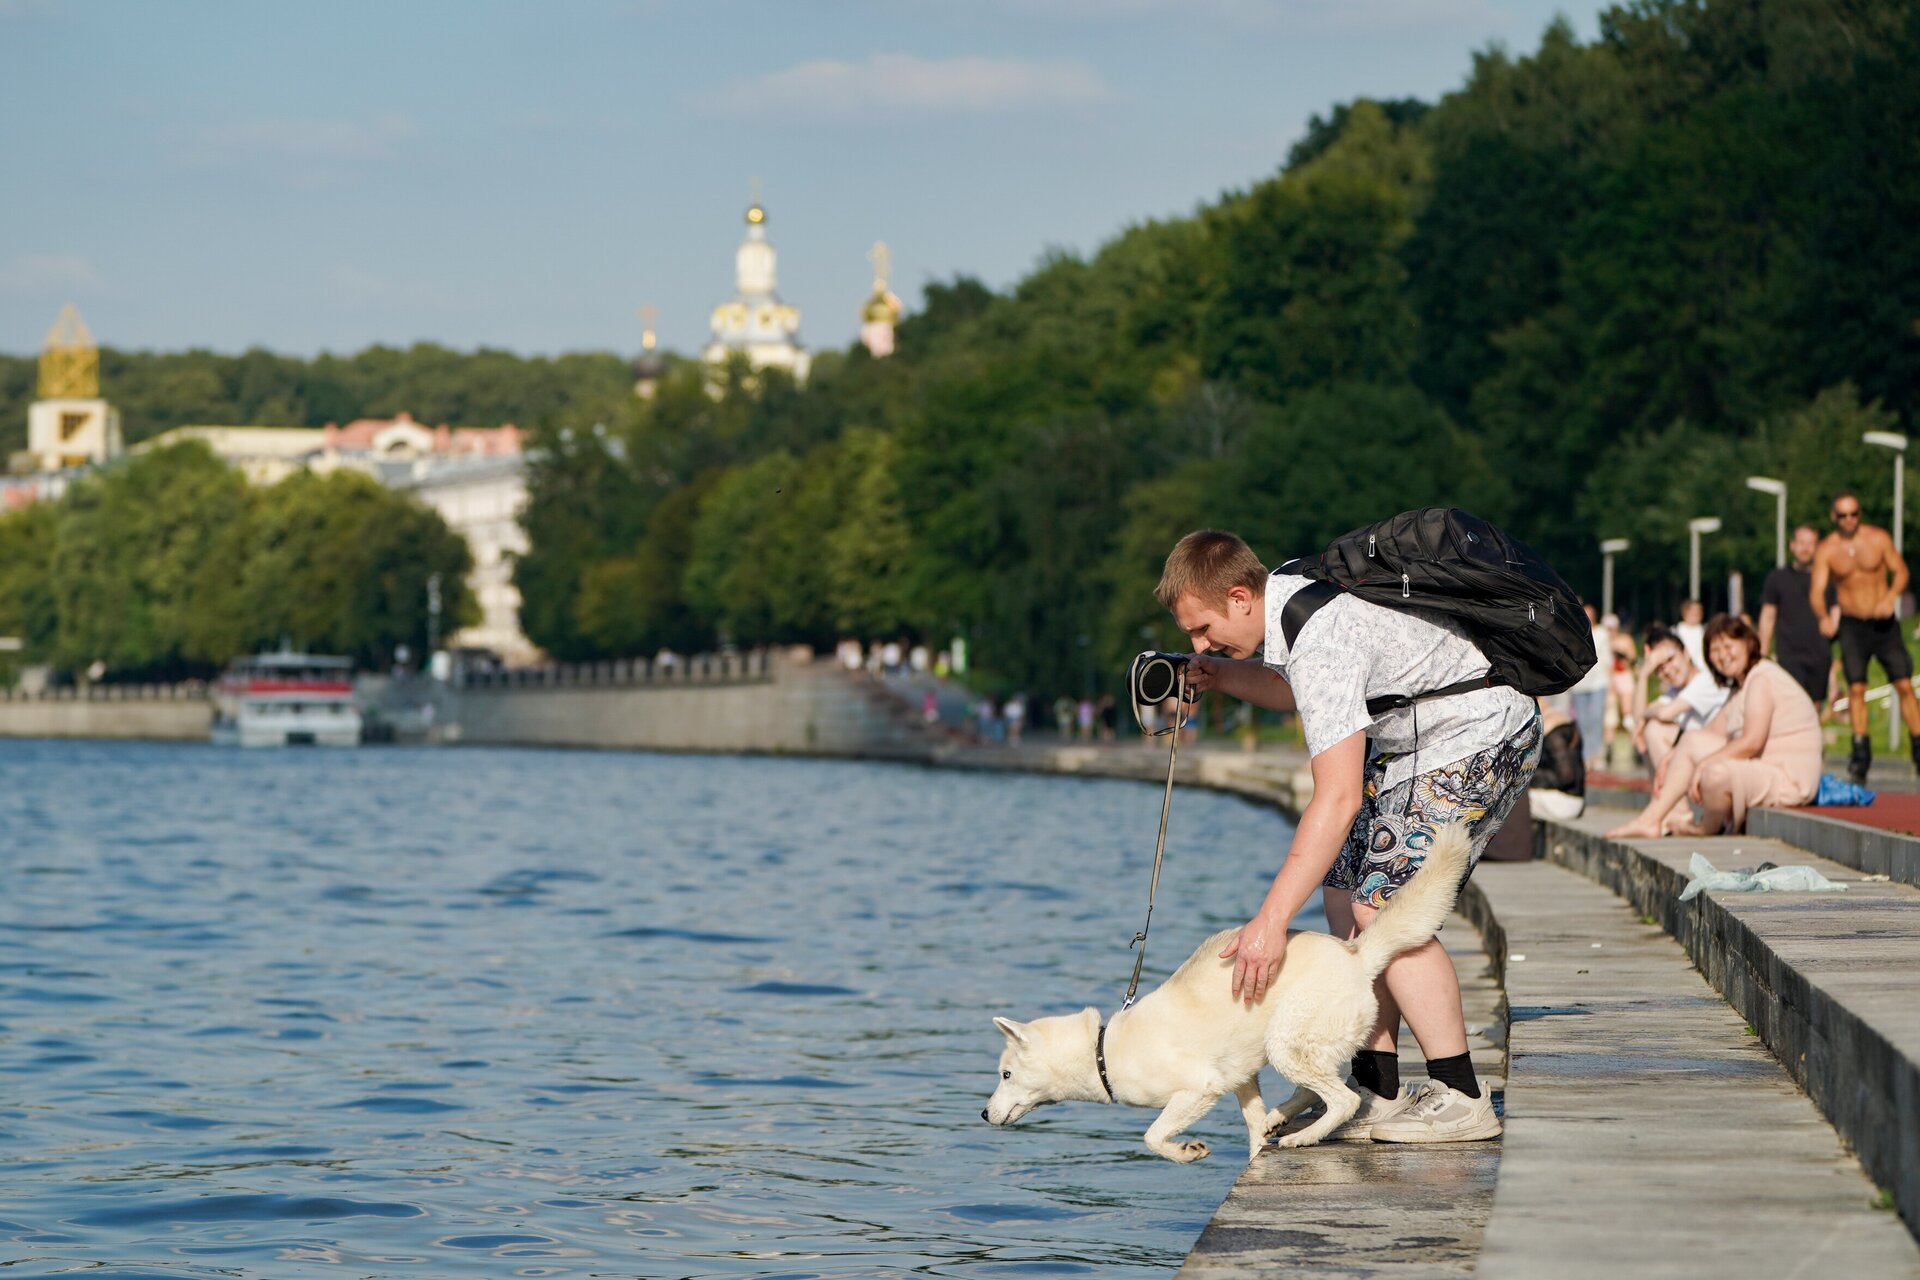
(165, 713)
(759, 703)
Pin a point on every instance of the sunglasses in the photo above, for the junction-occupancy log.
(1847, 515)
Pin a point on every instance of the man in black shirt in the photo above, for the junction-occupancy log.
(1786, 614)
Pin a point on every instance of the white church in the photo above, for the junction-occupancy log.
(755, 322)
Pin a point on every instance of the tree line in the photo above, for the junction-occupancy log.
(167, 564)
(1586, 295)
(157, 391)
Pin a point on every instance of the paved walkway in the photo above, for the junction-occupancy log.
(1827, 979)
(1649, 1133)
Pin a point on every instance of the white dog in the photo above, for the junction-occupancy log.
(1189, 1041)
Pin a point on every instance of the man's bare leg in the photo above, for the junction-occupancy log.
(1857, 707)
(1909, 707)
(1425, 991)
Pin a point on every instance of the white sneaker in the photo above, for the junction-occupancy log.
(1373, 1110)
(1438, 1113)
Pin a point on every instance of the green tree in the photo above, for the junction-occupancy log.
(145, 566)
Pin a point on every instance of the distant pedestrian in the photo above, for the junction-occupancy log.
(929, 707)
(1589, 699)
(1084, 713)
(1691, 631)
(1868, 577)
(1016, 715)
(1787, 617)
(1107, 711)
(1063, 717)
(988, 715)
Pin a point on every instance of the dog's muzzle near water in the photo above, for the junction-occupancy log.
(1188, 1042)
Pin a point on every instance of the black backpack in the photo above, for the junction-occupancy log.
(1515, 608)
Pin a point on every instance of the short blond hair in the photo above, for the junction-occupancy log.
(1207, 564)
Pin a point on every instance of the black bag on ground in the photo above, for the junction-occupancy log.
(1515, 608)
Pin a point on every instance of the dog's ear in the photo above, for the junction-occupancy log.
(1014, 1031)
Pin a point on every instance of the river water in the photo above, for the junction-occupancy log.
(508, 1013)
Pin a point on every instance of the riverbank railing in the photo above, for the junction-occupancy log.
(754, 667)
(185, 691)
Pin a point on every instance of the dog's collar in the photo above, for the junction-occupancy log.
(1100, 1060)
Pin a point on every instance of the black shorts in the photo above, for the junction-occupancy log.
(1865, 638)
(1809, 674)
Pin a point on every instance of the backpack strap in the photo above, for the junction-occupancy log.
(1395, 701)
(1306, 602)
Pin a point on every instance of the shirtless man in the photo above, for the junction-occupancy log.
(1868, 576)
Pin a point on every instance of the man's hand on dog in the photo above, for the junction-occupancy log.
(1256, 951)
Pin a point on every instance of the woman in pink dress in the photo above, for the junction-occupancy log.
(1765, 744)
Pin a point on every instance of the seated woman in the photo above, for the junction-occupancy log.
(1763, 747)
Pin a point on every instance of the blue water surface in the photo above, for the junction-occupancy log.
(516, 1013)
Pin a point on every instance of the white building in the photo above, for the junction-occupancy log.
(756, 323)
(481, 499)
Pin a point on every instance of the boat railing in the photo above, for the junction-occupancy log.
(752, 667)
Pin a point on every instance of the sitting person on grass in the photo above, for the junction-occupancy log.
(1763, 747)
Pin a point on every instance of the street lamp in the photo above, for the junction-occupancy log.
(1695, 527)
(1778, 488)
(1609, 548)
(1898, 443)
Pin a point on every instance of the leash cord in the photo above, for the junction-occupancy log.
(1160, 845)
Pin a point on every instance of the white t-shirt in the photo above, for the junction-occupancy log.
(1703, 696)
(1351, 650)
(1693, 638)
(1595, 681)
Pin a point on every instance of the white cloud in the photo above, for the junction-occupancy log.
(904, 82)
(49, 273)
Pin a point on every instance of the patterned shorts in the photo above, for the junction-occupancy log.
(1395, 827)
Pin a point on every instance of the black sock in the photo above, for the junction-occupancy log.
(1378, 1071)
(1456, 1073)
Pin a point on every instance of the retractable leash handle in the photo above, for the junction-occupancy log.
(1160, 844)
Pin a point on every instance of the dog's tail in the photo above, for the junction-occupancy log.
(1422, 905)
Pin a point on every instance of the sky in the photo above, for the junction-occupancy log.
(307, 177)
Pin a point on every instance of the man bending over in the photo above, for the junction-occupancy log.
(1383, 786)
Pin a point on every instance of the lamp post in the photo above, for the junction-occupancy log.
(1609, 548)
(1898, 443)
(1695, 527)
(1778, 488)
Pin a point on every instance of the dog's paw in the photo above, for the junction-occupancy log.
(1188, 1152)
(1301, 1139)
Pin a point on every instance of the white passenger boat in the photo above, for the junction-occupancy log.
(286, 700)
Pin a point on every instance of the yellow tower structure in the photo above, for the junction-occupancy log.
(650, 366)
(881, 311)
(70, 425)
(69, 360)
